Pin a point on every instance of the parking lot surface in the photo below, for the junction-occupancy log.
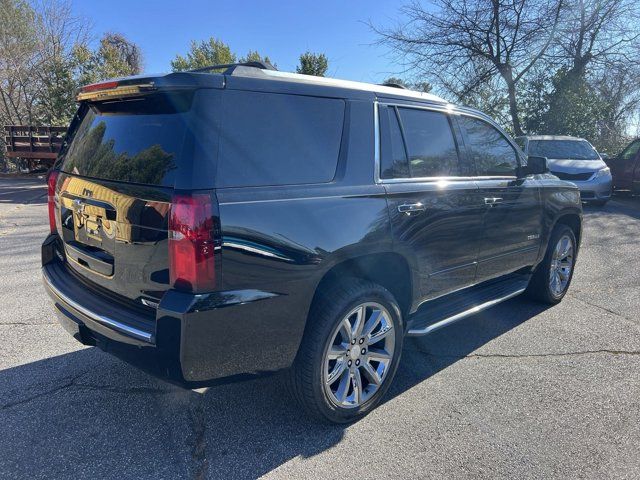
(518, 391)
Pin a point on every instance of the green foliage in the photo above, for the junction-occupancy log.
(212, 52)
(117, 57)
(254, 56)
(57, 100)
(313, 64)
(573, 107)
(205, 53)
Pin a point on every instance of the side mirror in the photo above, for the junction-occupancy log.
(604, 156)
(534, 166)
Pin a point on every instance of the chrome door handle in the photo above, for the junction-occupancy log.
(492, 200)
(410, 208)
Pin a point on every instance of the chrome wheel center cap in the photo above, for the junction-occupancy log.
(354, 353)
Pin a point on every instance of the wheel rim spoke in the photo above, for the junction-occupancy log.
(372, 322)
(337, 371)
(337, 351)
(357, 387)
(381, 334)
(371, 373)
(345, 328)
(343, 387)
(359, 322)
(379, 355)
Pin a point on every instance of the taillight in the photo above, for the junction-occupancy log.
(192, 243)
(51, 192)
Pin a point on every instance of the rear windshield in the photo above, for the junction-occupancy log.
(139, 140)
(563, 149)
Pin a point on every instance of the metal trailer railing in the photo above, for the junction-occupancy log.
(35, 145)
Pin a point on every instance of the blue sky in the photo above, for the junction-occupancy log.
(280, 29)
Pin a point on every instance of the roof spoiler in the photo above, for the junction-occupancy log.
(229, 68)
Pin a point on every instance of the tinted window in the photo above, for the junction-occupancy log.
(430, 144)
(520, 141)
(394, 158)
(563, 149)
(630, 151)
(492, 154)
(140, 140)
(271, 139)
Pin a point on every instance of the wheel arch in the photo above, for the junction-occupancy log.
(573, 221)
(391, 270)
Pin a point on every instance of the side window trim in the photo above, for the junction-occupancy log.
(458, 136)
(385, 118)
(467, 165)
(395, 111)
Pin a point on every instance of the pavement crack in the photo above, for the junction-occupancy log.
(68, 383)
(73, 383)
(198, 429)
(125, 390)
(608, 310)
(530, 355)
(29, 324)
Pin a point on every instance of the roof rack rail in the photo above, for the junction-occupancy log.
(394, 85)
(230, 67)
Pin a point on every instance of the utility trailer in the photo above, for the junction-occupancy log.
(37, 146)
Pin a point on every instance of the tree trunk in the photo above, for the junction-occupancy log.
(513, 109)
(507, 75)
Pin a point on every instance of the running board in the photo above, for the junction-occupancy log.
(446, 310)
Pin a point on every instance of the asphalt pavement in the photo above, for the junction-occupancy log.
(518, 391)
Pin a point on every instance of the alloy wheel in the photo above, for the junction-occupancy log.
(359, 355)
(561, 266)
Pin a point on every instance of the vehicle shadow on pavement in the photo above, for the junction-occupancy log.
(618, 205)
(425, 356)
(88, 414)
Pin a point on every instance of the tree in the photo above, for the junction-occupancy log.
(203, 54)
(118, 57)
(418, 86)
(465, 44)
(115, 57)
(619, 92)
(254, 56)
(594, 90)
(313, 64)
(18, 59)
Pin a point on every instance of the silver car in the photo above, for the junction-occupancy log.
(573, 159)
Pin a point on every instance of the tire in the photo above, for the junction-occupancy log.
(541, 286)
(348, 300)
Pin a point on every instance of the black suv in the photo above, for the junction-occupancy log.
(216, 226)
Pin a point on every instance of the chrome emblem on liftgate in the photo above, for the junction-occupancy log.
(89, 222)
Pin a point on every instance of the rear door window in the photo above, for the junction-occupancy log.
(276, 139)
(491, 152)
(430, 144)
(417, 143)
(139, 140)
